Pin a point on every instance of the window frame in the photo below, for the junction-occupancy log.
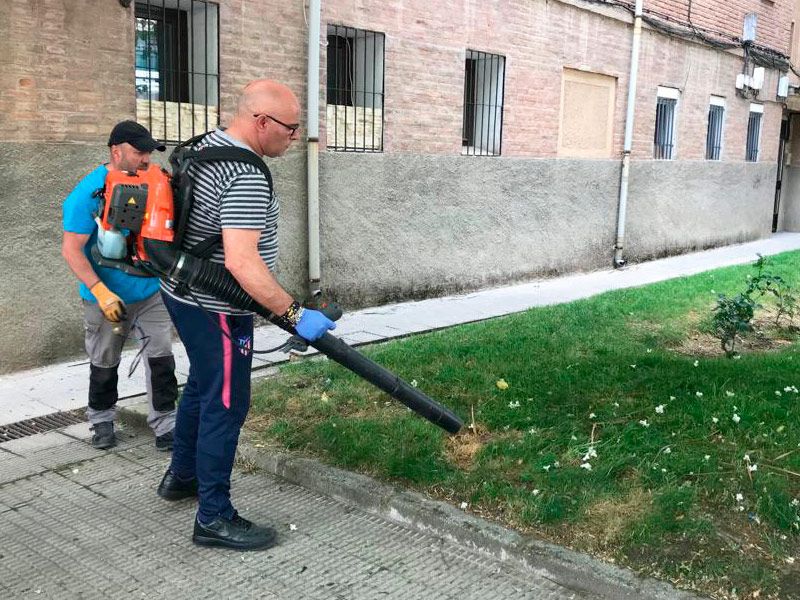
(714, 153)
(180, 86)
(497, 88)
(671, 98)
(350, 92)
(754, 154)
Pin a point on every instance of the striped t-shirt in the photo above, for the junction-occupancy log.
(229, 195)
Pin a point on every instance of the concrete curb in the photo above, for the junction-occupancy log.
(587, 576)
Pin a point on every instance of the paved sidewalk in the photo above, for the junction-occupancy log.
(79, 523)
(64, 386)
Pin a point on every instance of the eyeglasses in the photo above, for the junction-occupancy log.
(291, 128)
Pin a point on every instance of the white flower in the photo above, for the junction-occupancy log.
(795, 502)
(535, 492)
(586, 466)
(752, 468)
(660, 409)
(556, 464)
(616, 404)
(464, 506)
(714, 420)
(573, 438)
(696, 363)
(292, 527)
(707, 457)
(592, 415)
(591, 453)
(413, 383)
(790, 560)
(788, 388)
(778, 393)
(633, 366)
(546, 467)
(741, 508)
(739, 497)
(667, 450)
(736, 418)
(746, 458)
(649, 350)
(532, 430)
(699, 394)
(737, 357)
(729, 394)
(513, 404)
(672, 397)
(644, 423)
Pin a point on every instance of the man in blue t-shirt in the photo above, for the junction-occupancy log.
(116, 303)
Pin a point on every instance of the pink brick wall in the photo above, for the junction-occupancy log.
(425, 74)
(774, 17)
(66, 69)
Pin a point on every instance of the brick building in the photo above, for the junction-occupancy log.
(463, 143)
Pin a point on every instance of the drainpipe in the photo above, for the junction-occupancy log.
(313, 147)
(626, 152)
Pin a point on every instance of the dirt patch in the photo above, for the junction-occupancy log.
(462, 449)
(607, 520)
(705, 344)
(765, 337)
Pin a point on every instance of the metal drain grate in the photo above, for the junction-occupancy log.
(21, 429)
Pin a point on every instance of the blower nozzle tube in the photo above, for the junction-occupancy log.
(215, 279)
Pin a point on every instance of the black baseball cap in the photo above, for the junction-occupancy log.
(136, 135)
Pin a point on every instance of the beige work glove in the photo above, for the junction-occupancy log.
(112, 305)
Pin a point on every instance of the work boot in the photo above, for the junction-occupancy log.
(236, 533)
(104, 437)
(171, 488)
(164, 442)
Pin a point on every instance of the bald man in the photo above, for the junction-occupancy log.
(235, 200)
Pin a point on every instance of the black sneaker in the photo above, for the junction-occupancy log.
(171, 488)
(164, 442)
(104, 437)
(237, 533)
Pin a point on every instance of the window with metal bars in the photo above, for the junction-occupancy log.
(664, 140)
(754, 133)
(177, 67)
(716, 119)
(355, 89)
(484, 88)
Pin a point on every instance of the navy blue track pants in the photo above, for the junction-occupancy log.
(214, 403)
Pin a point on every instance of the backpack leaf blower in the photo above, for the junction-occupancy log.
(152, 208)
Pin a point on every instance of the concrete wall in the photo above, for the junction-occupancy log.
(790, 199)
(680, 206)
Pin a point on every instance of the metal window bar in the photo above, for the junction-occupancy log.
(484, 90)
(355, 89)
(716, 115)
(174, 66)
(664, 140)
(753, 135)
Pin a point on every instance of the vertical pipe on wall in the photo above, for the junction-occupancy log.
(313, 146)
(619, 261)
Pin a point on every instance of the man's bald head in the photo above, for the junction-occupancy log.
(267, 117)
(265, 96)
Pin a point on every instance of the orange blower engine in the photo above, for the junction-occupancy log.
(136, 206)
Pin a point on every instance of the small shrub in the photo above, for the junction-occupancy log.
(732, 317)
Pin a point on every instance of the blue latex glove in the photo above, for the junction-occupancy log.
(313, 325)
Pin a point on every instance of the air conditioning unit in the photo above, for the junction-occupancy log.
(783, 87)
(757, 81)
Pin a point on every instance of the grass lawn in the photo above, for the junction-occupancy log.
(614, 425)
